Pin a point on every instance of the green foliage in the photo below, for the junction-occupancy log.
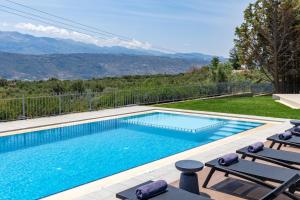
(205, 75)
(58, 87)
(234, 59)
(12, 109)
(220, 72)
(269, 39)
(78, 87)
(3, 82)
(97, 87)
(215, 62)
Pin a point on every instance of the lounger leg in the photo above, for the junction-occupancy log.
(272, 144)
(243, 156)
(212, 171)
(253, 159)
(279, 146)
(292, 189)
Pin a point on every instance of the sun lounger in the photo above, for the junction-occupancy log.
(281, 189)
(172, 193)
(255, 172)
(283, 158)
(295, 122)
(175, 193)
(295, 131)
(294, 141)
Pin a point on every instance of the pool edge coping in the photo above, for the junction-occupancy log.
(144, 110)
(67, 123)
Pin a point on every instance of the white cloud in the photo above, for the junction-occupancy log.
(66, 34)
(4, 24)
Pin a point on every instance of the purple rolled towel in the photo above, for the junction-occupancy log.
(152, 189)
(285, 136)
(228, 159)
(256, 147)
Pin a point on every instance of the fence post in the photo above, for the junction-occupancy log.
(115, 99)
(23, 107)
(59, 104)
(90, 101)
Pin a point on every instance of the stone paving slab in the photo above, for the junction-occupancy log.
(68, 118)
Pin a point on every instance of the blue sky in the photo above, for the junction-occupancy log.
(205, 26)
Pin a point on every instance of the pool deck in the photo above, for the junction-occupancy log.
(105, 189)
(290, 100)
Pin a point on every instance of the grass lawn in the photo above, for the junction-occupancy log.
(260, 106)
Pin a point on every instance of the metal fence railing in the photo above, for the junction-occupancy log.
(32, 107)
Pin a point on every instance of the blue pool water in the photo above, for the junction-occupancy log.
(38, 164)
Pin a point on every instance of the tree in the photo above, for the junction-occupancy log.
(234, 59)
(78, 86)
(223, 72)
(53, 79)
(3, 82)
(215, 62)
(220, 72)
(57, 87)
(269, 39)
(98, 87)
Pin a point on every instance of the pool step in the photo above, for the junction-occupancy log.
(196, 130)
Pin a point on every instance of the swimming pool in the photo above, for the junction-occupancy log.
(41, 163)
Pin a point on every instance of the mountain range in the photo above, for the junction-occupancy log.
(24, 56)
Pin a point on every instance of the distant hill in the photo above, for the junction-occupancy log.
(15, 42)
(198, 57)
(86, 66)
(28, 57)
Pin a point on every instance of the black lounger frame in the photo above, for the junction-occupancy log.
(267, 159)
(281, 143)
(281, 189)
(246, 177)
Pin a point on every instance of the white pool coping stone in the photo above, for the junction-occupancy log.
(105, 189)
(290, 100)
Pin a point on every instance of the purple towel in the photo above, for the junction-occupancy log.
(256, 147)
(228, 159)
(152, 189)
(285, 136)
